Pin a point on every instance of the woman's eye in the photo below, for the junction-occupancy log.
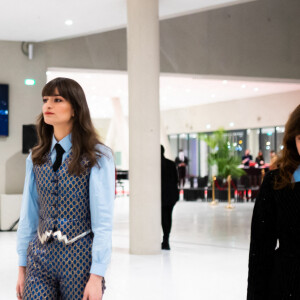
(57, 100)
(45, 100)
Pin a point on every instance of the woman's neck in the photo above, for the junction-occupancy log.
(61, 132)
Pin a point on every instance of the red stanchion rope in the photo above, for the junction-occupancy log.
(225, 187)
(220, 188)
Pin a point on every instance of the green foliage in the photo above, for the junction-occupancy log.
(222, 155)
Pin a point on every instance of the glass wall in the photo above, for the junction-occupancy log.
(193, 154)
(173, 139)
(267, 142)
(253, 142)
(184, 145)
(265, 139)
(237, 142)
(279, 138)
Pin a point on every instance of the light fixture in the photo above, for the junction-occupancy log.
(29, 81)
(225, 81)
(213, 95)
(69, 22)
(208, 126)
(255, 89)
(231, 124)
(243, 86)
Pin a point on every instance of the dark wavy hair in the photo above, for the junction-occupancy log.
(84, 136)
(289, 158)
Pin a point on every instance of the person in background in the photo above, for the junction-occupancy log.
(181, 163)
(169, 196)
(246, 158)
(260, 159)
(274, 257)
(273, 159)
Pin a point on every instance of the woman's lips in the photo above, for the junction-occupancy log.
(49, 113)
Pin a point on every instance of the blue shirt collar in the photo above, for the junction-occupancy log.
(297, 174)
(66, 143)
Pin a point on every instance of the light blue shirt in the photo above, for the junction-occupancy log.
(102, 195)
(297, 174)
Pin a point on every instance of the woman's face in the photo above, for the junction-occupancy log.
(57, 111)
(297, 139)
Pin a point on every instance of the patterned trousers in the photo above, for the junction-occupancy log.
(58, 271)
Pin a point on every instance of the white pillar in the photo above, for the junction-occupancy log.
(144, 127)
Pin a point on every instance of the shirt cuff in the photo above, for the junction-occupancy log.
(98, 269)
(22, 260)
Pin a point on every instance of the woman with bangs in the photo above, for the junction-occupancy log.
(64, 233)
(274, 258)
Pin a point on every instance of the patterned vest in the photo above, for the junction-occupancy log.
(63, 200)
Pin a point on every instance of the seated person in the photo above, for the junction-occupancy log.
(260, 159)
(246, 158)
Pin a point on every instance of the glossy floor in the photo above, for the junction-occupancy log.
(208, 259)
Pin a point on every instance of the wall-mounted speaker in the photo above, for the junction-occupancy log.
(29, 137)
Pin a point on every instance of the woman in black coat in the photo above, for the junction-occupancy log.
(274, 259)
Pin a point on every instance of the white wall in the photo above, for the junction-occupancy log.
(257, 112)
(24, 105)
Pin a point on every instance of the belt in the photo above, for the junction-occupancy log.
(61, 238)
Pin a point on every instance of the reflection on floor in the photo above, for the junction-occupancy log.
(208, 258)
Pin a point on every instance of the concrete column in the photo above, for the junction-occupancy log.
(144, 126)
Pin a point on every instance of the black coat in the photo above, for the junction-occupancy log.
(274, 273)
(169, 182)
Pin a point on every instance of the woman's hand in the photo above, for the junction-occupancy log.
(93, 288)
(20, 282)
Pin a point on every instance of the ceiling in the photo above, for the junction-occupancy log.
(42, 20)
(176, 91)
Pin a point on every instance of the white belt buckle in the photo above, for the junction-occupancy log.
(60, 237)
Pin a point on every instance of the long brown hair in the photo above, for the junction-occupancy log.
(84, 136)
(289, 158)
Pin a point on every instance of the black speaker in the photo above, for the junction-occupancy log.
(29, 138)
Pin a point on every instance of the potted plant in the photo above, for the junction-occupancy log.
(222, 156)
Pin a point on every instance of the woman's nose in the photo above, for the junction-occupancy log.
(49, 103)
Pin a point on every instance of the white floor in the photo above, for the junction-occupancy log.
(208, 258)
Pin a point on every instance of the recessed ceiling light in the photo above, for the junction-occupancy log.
(255, 89)
(231, 124)
(69, 22)
(243, 86)
(225, 81)
(208, 126)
